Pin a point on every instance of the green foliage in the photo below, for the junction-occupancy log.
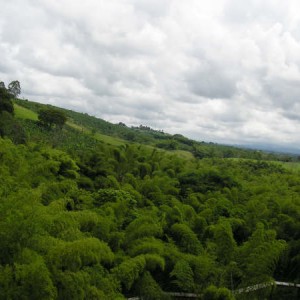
(33, 278)
(92, 223)
(73, 256)
(184, 276)
(63, 164)
(112, 195)
(8, 125)
(24, 113)
(5, 101)
(82, 219)
(186, 239)
(130, 270)
(51, 117)
(14, 88)
(146, 245)
(74, 285)
(214, 293)
(154, 261)
(149, 289)
(260, 255)
(142, 227)
(205, 181)
(226, 244)
(118, 134)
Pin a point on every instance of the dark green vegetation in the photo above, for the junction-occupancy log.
(50, 117)
(9, 126)
(92, 210)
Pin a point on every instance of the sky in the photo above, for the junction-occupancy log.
(225, 71)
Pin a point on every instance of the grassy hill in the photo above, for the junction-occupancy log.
(25, 113)
(120, 134)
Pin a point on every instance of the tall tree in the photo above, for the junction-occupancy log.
(50, 117)
(5, 100)
(14, 88)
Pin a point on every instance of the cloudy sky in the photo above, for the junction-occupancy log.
(226, 71)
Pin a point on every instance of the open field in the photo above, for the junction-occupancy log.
(24, 113)
(101, 137)
(292, 166)
(109, 139)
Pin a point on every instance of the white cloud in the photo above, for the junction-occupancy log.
(224, 71)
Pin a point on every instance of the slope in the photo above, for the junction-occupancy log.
(120, 134)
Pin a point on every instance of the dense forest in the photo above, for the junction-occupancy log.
(94, 210)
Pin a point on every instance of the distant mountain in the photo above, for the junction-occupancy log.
(272, 148)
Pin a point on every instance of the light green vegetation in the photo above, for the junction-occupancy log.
(25, 113)
(101, 137)
(85, 216)
(293, 166)
(184, 154)
(135, 221)
(120, 134)
(109, 140)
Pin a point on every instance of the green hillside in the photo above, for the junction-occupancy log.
(120, 134)
(94, 210)
(25, 113)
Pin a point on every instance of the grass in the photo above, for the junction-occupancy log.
(98, 136)
(291, 166)
(77, 127)
(24, 113)
(109, 139)
(183, 154)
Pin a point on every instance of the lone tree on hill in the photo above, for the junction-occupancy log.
(51, 117)
(14, 88)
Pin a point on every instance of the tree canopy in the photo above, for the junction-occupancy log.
(5, 99)
(81, 218)
(51, 117)
(14, 88)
